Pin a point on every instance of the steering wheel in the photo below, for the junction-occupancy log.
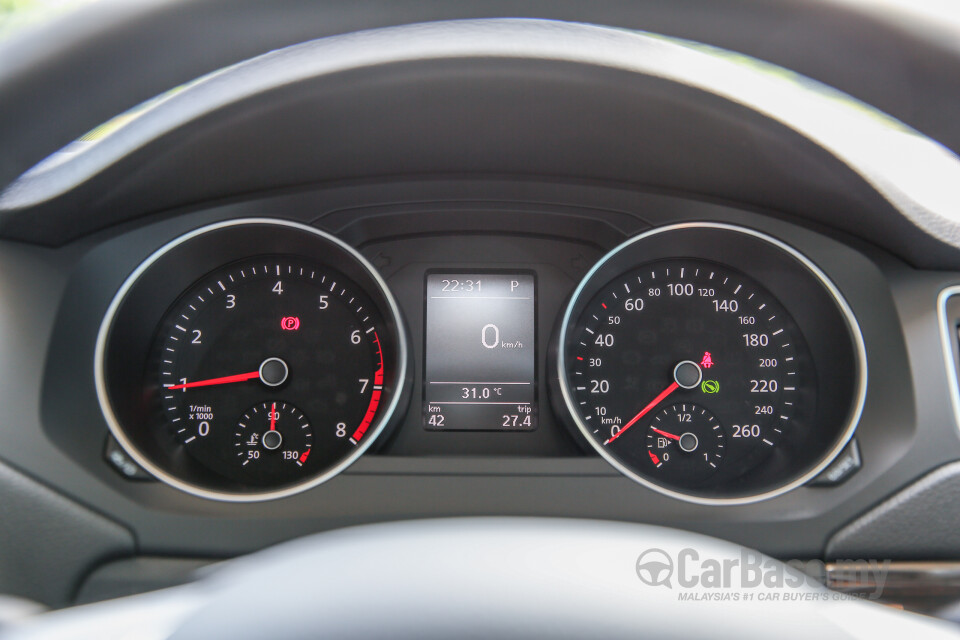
(90, 65)
(494, 577)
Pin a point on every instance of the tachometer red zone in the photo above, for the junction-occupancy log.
(374, 398)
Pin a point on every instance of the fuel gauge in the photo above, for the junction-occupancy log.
(685, 442)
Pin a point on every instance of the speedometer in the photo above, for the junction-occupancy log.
(709, 339)
(712, 363)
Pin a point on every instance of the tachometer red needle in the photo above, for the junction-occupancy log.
(273, 417)
(663, 394)
(243, 377)
(665, 434)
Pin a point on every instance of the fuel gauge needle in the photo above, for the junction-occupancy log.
(665, 434)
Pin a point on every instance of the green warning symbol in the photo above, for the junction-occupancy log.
(710, 386)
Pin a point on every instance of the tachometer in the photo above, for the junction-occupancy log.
(265, 376)
(700, 380)
(255, 330)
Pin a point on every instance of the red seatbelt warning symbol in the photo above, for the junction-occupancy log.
(290, 323)
(707, 361)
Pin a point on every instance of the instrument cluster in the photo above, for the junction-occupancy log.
(256, 358)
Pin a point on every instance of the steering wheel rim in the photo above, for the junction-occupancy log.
(495, 577)
(102, 59)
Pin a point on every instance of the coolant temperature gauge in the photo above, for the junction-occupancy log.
(272, 437)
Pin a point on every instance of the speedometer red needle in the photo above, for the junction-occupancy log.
(665, 434)
(663, 394)
(243, 377)
(273, 417)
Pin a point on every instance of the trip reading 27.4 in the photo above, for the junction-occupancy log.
(480, 351)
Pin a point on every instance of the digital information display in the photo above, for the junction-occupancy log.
(480, 370)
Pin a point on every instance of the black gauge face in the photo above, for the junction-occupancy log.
(711, 345)
(693, 377)
(250, 360)
(268, 371)
(272, 438)
(686, 443)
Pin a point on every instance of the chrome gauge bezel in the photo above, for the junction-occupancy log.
(322, 240)
(602, 271)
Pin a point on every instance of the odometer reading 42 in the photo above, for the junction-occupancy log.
(689, 373)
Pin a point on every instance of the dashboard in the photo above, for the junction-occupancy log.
(322, 289)
(116, 312)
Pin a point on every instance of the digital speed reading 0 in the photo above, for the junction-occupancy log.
(480, 371)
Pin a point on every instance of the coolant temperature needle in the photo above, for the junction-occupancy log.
(273, 417)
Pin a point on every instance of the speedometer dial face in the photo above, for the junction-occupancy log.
(712, 363)
(710, 344)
